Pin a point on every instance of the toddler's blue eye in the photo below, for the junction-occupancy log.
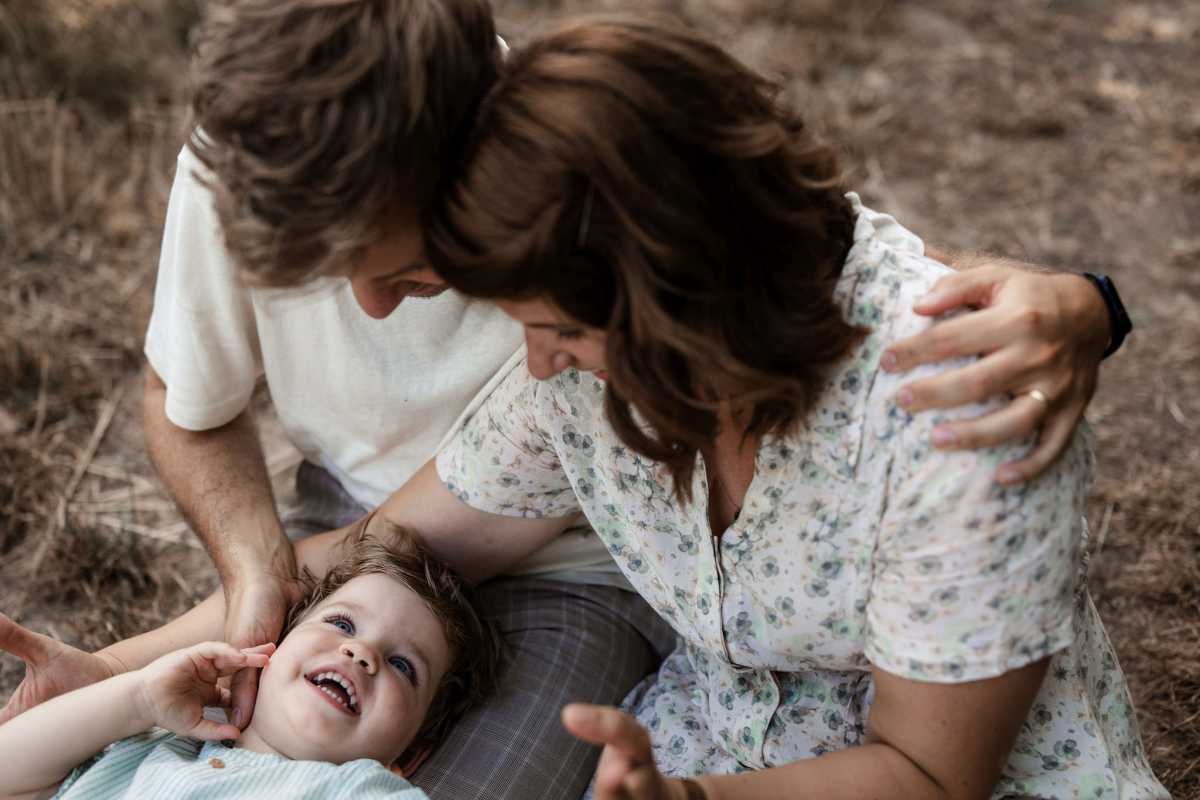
(404, 667)
(343, 624)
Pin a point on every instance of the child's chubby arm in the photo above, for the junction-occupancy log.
(44, 744)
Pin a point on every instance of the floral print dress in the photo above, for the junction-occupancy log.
(858, 544)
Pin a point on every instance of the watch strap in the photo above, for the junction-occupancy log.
(1118, 319)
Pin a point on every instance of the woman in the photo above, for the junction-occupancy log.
(861, 615)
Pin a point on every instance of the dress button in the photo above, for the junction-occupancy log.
(216, 763)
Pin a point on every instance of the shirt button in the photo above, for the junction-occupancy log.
(216, 763)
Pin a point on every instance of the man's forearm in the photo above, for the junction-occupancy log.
(963, 260)
(1079, 299)
(220, 482)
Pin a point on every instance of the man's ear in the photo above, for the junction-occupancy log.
(406, 765)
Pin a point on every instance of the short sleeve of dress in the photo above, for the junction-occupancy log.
(973, 579)
(888, 230)
(502, 460)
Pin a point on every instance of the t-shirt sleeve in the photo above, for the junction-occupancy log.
(502, 460)
(202, 339)
(973, 579)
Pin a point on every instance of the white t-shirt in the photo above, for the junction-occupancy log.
(369, 400)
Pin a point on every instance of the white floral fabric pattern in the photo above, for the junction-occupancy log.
(857, 544)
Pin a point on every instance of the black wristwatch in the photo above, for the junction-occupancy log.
(1118, 319)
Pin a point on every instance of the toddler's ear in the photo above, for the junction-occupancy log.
(406, 765)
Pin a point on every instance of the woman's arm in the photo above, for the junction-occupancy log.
(924, 740)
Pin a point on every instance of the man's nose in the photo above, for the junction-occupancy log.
(378, 303)
(362, 655)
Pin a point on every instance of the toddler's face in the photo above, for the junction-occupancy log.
(354, 679)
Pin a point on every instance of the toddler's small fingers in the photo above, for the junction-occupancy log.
(214, 731)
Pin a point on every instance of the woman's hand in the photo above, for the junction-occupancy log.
(626, 770)
(51, 667)
(176, 688)
(1035, 331)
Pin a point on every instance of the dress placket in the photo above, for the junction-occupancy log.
(749, 696)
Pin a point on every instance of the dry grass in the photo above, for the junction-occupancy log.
(1062, 131)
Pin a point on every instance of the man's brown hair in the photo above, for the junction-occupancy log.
(318, 117)
(648, 184)
(474, 645)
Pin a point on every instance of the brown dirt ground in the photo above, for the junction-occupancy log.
(1065, 132)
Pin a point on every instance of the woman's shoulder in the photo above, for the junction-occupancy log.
(885, 273)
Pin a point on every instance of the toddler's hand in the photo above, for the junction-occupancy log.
(176, 688)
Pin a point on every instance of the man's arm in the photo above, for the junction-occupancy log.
(1035, 328)
(219, 480)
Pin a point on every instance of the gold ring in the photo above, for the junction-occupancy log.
(1040, 396)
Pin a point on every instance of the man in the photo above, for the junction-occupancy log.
(293, 250)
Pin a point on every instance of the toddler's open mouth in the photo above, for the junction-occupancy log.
(338, 688)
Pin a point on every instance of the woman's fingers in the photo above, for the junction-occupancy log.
(1055, 436)
(23, 643)
(604, 725)
(611, 773)
(626, 770)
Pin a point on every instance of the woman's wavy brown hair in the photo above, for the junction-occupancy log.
(316, 118)
(647, 183)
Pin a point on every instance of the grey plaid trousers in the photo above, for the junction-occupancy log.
(565, 642)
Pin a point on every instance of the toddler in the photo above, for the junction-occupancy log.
(376, 662)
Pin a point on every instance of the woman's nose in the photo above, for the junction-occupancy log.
(545, 360)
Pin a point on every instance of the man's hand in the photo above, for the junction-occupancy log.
(51, 667)
(1043, 332)
(626, 770)
(255, 612)
(175, 689)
